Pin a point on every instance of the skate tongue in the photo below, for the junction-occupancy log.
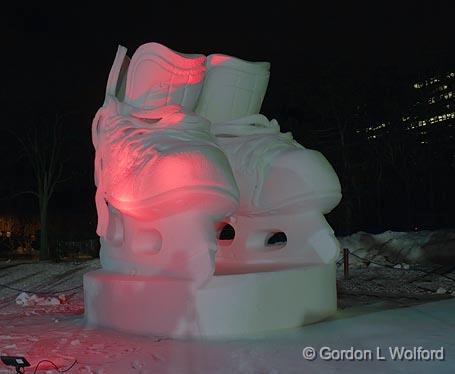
(249, 125)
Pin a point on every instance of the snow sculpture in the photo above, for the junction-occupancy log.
(181, 149)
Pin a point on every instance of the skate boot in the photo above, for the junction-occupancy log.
(162, 181)
(285, 189)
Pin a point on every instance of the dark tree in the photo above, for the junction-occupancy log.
(43, 145)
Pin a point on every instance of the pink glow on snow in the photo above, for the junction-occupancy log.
(169, 173)
(219, 59)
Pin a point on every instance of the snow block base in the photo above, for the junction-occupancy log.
(226, 306)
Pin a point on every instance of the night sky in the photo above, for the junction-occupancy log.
(61, 56)
(56, 59)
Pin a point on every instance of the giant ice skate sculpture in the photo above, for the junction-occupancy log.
(164, 186)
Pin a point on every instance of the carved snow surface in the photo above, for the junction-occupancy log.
(141, 154)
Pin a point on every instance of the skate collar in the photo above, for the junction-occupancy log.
(220, 60)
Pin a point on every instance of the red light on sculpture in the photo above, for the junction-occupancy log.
(219, 59)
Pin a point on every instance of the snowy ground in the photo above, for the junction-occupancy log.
(398, 268)
(416, 247)
(380, 306)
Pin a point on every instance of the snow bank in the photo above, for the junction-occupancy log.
(419, 247)
(25, 299)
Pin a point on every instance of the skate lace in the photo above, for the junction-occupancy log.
(249, 152)
(250, 125)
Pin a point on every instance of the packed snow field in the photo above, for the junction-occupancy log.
(388, 271)
(398, 267)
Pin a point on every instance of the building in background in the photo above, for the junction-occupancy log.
(431, 116)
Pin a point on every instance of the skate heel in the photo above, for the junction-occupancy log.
(307, 240)
(175, 237)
